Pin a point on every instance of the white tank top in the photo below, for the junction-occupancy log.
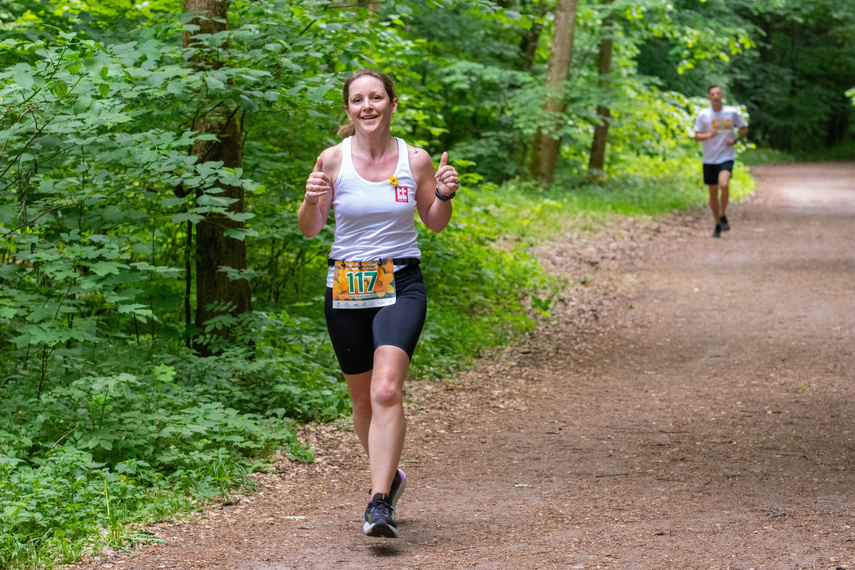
(373, 220)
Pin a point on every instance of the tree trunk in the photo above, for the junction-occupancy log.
(547, 140)
(528, 45)
(213, 249)
(596, 165)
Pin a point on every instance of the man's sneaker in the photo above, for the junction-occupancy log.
(724, 225)
(717, 232)
(380, 517)
(399, 483)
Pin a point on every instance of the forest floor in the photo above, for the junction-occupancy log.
(689, 404)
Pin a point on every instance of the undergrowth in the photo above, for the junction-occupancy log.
(646, 186)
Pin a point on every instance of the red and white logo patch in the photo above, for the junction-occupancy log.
(402, 194)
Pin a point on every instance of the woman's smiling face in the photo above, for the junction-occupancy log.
(368, 105)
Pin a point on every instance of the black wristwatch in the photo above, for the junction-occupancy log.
(443, 197)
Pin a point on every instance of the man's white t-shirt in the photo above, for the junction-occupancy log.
(727, 120)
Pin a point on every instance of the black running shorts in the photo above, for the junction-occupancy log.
(356, 333)
(711, 171)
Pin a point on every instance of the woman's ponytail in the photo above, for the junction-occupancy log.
(346, 130)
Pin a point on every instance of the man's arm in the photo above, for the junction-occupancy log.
(699, 137)
(743, 133)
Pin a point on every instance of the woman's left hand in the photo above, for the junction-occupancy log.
(447, 179)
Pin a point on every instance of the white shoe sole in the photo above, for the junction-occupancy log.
(400, 490)
(380, 530)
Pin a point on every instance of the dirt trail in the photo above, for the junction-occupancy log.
(690, 405)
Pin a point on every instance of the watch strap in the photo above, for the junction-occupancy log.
(443, 197)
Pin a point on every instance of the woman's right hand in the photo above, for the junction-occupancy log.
(318, 184)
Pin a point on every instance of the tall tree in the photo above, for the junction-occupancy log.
(596, 164)
(547, 140)
(216, 292)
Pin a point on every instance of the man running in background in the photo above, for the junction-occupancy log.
(714, 127)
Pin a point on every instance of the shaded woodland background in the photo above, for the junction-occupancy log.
(159, 308)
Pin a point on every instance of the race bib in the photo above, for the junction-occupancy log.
(363, 284)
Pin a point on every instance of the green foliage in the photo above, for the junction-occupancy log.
(478, 285)
(690, 44)
(107, 417)
(97, 452)
(113, 456)
(789, 62)
(86, 192)
(648, 186)
(795, 84)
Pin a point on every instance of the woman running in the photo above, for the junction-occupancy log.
(375, 302)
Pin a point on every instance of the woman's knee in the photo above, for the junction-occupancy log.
(386, 394)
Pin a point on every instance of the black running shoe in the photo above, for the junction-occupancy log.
(380, 517)
(717, 232)
(399, 483)
(724, 225)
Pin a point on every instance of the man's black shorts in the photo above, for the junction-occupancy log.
(711, 171)
(356, 333)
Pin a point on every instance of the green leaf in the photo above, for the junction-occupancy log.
(171, 201)
(60, 89)
(186, 216)
(240, 233)
(214, 84)
(82, 104)
(136, 308)
(317, 94)
(164, 373)
(248, 104)
(176, 87)
(106, 268)
(24, 79)
(240, 216)
(41, 334)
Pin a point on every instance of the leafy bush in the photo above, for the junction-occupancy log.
(94, 452)
(478, 284)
